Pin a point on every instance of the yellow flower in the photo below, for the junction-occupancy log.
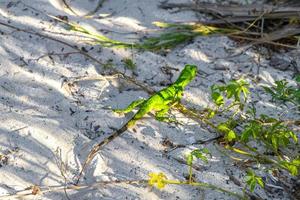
(158, 179)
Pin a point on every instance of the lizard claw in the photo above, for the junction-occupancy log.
(167, 119)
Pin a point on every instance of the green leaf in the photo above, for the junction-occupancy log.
(245, 135)
(252, 185)
(293, 170)
(292, 166)
(293, 136)
(222, 127)
(252, 179)
(129, 63)
(200, 153)
(189, 159)
(211, 114)
(250, 173)
(260, 181)
(274, 140)
(217, 98)
(205, 150)
(296, 162)
(235, 89)
(268, 90)
(230, 90)
(231, 135)
(282, 92)
(297, 78)
(245, 91)
(203, 158)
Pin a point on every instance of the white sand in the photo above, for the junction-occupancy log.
(57, 123)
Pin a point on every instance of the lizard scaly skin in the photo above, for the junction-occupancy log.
(159, 102)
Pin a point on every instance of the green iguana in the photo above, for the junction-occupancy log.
(159, 102)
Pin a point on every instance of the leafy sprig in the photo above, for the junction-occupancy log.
(227, 129)
(285, 93)
(128, 63)
(197, 153)
(252, 180)
(272, 133)
(269, 131)
(237, 90)
(292, 166)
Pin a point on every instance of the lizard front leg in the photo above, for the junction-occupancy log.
(146, 108)
(162, 115)
(130, 107)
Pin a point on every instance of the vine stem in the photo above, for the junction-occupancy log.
(206, 185)
(44, 189)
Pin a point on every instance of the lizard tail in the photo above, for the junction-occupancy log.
(97, 148)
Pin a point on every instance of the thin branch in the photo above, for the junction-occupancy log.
(44, 189)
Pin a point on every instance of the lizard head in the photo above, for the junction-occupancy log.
(187, 75)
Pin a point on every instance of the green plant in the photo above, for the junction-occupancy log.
(252, 180)
(197, 153)
(227, 130)
(282, 92)
(293, 166)
(237, 90)
(174, 35)
(271, 132)
(160, 180)
(128, 62)
(96, 37)
(226, 97)
(296, 92)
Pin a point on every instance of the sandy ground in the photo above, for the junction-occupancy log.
(47, 127)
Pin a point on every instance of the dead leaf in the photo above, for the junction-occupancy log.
(36, 190)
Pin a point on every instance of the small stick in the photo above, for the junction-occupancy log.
(176, 146)
(18, 129)
(262, 27)
(69, 7)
